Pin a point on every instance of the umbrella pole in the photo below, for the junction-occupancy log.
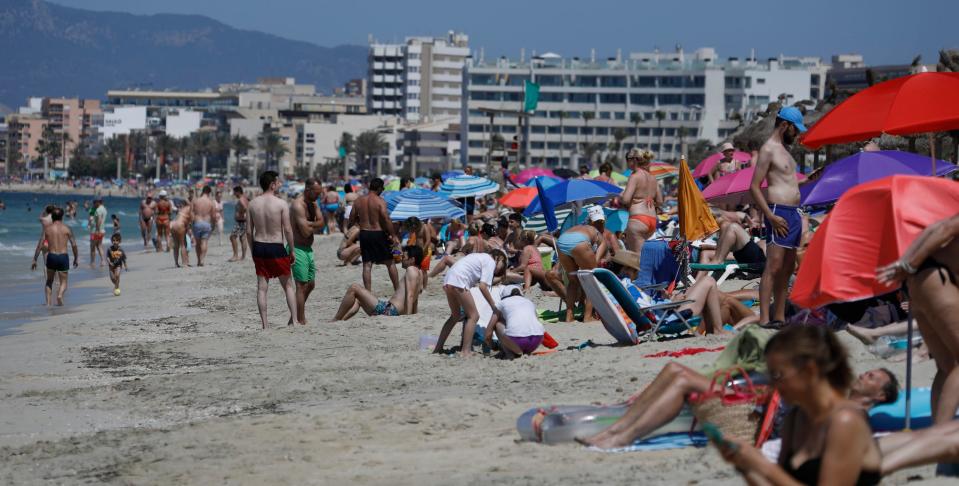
(909, 369)
(932, 152)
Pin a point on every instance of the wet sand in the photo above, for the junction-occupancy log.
(174, 382)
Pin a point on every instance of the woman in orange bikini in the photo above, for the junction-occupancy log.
(164, 207)
(642, 197)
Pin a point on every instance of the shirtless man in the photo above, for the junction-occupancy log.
(238, 235)
(204, 217)
(218, 207)
(147, 208)
(306, 223)
(164, 208)
(370, 213)
(348, 201)
(642, 197)
(784, 219)
(179, 229)
(56, 235)
(404, 300)
(267, 229)
(331, 204)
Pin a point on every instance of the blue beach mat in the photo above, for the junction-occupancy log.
(663, 442)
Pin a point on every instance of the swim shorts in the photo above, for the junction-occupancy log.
(331, 208)
(58, 262)
(304, 268)
(96, 236)
(385, 308)
(425, 264)
(750, 254)
(271, 260)
(527, 343)
(202, 230)
(793, 217)
(375, 247)
(239, 229)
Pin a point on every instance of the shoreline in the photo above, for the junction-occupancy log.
(174, 382)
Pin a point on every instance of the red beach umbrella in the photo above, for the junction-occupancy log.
(841, 260)
(518, 198)
(924, 102)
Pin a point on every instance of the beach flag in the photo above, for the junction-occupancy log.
(549, 212)
(531, 97)
(695, 218)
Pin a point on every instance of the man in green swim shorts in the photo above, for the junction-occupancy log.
(306, 222)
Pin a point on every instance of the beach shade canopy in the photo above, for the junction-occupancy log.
(662, 170)
(545, 181)
(707, 164)
(574, 191)
(695, 219)
(841, 260)
(526, 174)
(421, 204)
(924, 102)
(842, 175)
(467, 186)
(518, 198)
(451, 173)
(537, 222)
(734, 188)
(565, 173)
(615, 176)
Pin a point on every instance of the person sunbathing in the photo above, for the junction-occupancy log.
(734, 238)
(663, 399)
(404, 299)
(937, 444)
(826, 438)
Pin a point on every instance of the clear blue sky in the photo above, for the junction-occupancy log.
(884, 31)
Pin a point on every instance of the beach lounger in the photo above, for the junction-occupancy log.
(728, 268)
(621, 315)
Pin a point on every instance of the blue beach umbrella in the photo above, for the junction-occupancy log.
(546, 181)
(574, 191)
(467, 186)
(421, 204)
(451, 173)
(419, 181)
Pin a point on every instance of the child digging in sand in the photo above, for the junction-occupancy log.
(473, 270)
(116, 258)
(519, 330)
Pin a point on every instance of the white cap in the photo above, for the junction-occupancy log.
(596, 213)
(163, 193)
(507, 290)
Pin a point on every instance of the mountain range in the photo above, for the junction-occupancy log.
(54, 50)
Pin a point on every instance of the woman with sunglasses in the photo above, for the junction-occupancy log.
(826, 439)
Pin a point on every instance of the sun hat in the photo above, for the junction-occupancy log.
(163, 193)
(595, 214)
(627, 258)
(726, 146)
(794, 116)
(507, 290)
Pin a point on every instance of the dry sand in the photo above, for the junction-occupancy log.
(174, 382)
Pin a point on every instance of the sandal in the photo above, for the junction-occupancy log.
(774, 325)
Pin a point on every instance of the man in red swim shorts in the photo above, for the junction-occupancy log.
(269, 225)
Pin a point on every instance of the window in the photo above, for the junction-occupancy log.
(483, 79)
(414, 69)
(552, 145)
(614, 98)
(570, 130)
(612, 81)
(413, 55)
(536, 145)
(671, 81)
(538, 129)
(644, 81)
(670, 99)
(642, 99)
(760, 80)
(486, 96)
(602, 131)
(414, 82)
(696, 99)
(605, 115)
(587, 81)
(674, 116)
(552, 129)
(582, 98)
(551, 97)
(516, 80)
(550, 80)
(619, 115)
(413, 96)
(513, 96)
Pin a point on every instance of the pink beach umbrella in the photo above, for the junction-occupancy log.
(734, 188)
(702, 170)
(527, 174)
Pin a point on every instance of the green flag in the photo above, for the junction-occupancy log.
(532, 96)
(342, 152)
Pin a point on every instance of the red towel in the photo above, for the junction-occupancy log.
(684, 352)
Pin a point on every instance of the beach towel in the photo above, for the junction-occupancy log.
(683, 352)
(745, 350)
(662, 442)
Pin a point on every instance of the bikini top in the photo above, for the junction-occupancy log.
(808, 471)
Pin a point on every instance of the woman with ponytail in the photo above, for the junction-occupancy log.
(826, 439)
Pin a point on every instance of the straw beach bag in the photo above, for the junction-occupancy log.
(730, 407)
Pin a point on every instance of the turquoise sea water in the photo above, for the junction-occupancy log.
(21, 291)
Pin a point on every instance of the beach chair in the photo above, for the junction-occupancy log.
(622, 316)
(727, 269)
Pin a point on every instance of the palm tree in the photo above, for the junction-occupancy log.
(562, 116)
(619, 134)
(682, 140)
(240, 146)
(369, 144)
(184, 148)
(48, 146)
(201, 146)
(635, 118)
(660, 116)
(588, 149)
(274, 148)
(113, 151)
(166, 146)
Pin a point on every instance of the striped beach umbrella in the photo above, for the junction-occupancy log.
(615, 176)
(421, 204)
(467, 186)
(537, 222)
(662, 170)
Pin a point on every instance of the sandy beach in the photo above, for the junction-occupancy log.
(174, 383)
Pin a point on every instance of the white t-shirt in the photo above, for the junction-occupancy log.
(100, 219)
(471, 270)
(520, 315)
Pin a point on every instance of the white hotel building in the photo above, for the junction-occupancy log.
(419, 80)
(699, 95)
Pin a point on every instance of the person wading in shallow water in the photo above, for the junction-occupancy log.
(55, 237)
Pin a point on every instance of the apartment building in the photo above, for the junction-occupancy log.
(652, 100)
(420, 79)
(71, 121)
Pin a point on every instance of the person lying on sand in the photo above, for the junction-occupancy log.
(404, 299)
(519, 330)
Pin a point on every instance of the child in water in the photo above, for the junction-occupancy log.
(116, 258)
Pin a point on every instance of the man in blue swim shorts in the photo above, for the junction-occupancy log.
(780, 205)
(404, 299)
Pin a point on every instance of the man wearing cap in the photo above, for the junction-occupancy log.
(164, 210)
(780, 206)
(726, 165)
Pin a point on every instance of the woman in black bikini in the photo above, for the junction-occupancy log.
(826, 438)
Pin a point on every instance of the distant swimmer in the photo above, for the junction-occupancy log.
(56, 236)
(267, 230)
